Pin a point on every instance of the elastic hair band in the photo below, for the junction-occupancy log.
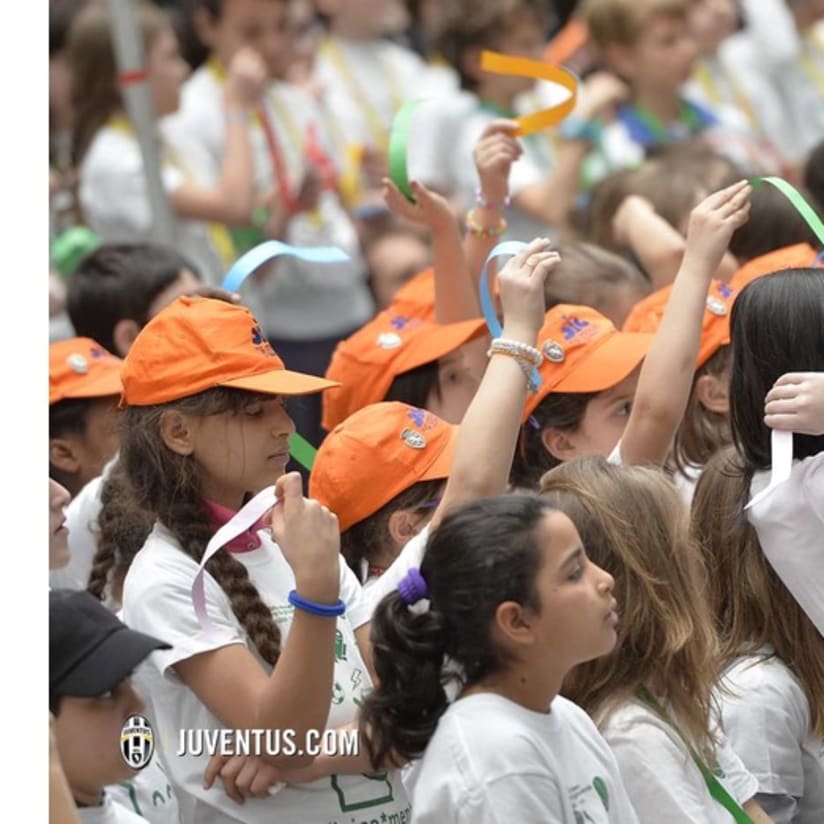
(412, 587)
(314, 608)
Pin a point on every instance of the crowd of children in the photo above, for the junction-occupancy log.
(565, 509)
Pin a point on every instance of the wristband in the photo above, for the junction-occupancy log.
(480, 200)
(517, 349)
(525, 366)
(475, 228)
(314, 608)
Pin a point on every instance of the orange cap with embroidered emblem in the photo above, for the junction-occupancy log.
(798, 256)
(377, 453)
(715, 329)
(82, 368)
(583, 352)
(366, 363)
(196, 344)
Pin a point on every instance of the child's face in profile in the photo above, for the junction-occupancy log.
(663, 56)
(457, 385)
(523, 38)
(88, 738)
(58, 534)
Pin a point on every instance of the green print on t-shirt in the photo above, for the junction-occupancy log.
(377, 789)
(601, 789)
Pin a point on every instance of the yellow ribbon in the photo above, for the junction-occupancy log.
(523, 67)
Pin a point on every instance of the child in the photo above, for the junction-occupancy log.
(117, 289)
(772, 694)
(651, 697)
(58, 534)
(113, 189)
(204, 428)
(397, 358)
(588, 402)
(84, 382)
(378, 519)
(649, 44)
(544, 183)
(506, 592)
(305, 310)
(92, 656)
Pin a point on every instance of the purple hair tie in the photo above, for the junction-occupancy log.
(412, 587)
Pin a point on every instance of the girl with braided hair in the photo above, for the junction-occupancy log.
(204, 428)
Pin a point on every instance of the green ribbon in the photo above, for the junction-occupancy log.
(398, 140)
(797, 199)
(302, 451)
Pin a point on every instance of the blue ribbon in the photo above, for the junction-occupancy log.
(506, 248)
(254, 258)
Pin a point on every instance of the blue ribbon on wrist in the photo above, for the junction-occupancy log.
(314, 608)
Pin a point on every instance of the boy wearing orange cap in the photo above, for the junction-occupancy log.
(84, 384)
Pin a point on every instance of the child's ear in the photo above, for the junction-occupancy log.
(123, 335)
(64, 455)
(558, 444)
(403, 527)
(471, 63)
(177, 432)
(713, 394)
(512, 625)
(621, 59)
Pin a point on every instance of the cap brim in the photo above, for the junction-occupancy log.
(281, 382)
(109, 664)
(442, 465)
(618, 356)
(437, 342)
(103, 385)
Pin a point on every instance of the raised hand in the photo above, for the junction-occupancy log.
(429, 209)
(796, 403)
(494, 153)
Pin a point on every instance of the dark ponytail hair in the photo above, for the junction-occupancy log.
(776, 327)
(168, 486)
(481, 555)
(561, 410)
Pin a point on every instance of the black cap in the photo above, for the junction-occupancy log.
(90, 650)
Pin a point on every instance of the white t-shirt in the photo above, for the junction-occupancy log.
(662, 780)
(109, 812)
(115, 201)
(157, 600)
(766, 717)
(297, 300)
(790, 527)
(492, 760)
(149, 794)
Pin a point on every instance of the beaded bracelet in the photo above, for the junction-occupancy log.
(314, 608)
(516, 349)
(475, 228)
(480, 200)
(525, 366)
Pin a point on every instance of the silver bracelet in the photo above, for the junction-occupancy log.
(516, 349)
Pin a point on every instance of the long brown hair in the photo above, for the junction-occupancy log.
(634, 525)
(95, 90)
(751, 605)
(168, 485)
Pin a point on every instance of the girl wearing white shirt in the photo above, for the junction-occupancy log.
(286, 648)
(507, 594)
(651, 698)
(772, 694)
(113, 190)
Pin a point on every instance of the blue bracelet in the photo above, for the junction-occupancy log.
(314, 608)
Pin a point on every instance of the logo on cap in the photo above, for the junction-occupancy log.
(260, 342)
(413, 439)
(389, 340)
(77, 363)
(553, 351)
(716, 307)
(137, 742)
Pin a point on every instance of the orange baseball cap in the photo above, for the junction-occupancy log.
(583, 352)
(715, 331)
(799, 255)
(416, 298)
(366, 363)
(82, 368)
(196, 344)
(377, 453)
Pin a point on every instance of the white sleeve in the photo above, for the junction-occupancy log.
(737, 779)
(157, 600)
(790, 527)
(773, 31)
(658, 774)
(411, 556)
(358, 610)
(524, 797)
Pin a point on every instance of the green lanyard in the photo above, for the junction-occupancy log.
(716, 788)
